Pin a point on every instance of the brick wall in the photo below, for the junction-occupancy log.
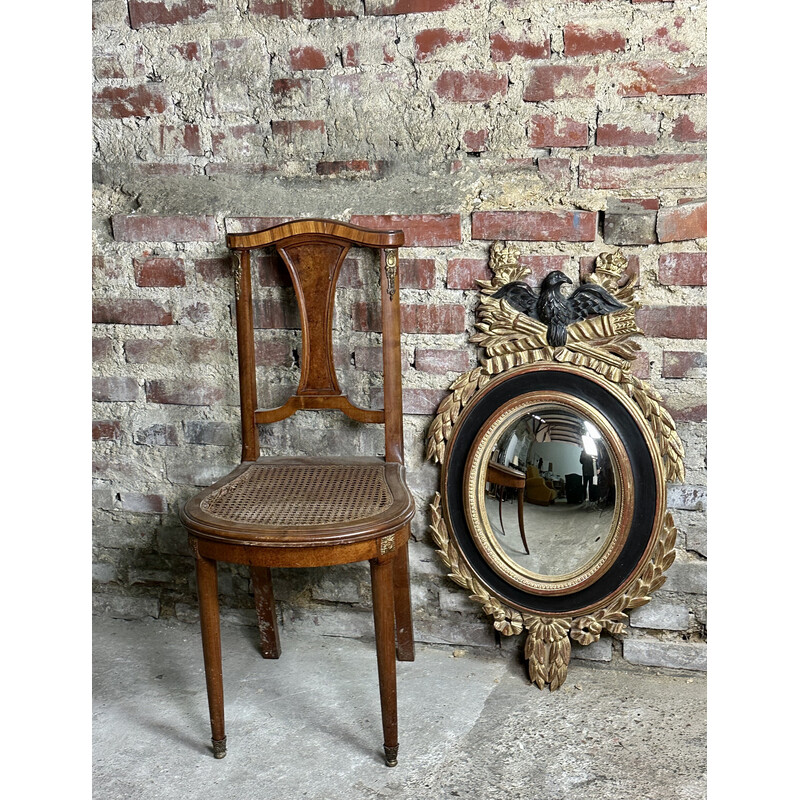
(570, 127)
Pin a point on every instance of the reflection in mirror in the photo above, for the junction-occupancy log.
(551, 491)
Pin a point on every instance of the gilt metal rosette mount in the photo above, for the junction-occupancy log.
(543, 346)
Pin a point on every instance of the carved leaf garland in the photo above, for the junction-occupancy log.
(602, 344)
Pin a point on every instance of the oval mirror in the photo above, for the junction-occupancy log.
(551, 481)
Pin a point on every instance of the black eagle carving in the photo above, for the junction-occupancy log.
(553, 309)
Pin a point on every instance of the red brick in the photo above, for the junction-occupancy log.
(673, 322)
(417, 273)
(549, 131)
(542, 265)
(292, 90)
(188, 350)
(271, 8)
(662, 38)
(688, 221)
(101, 349)
(684, 364)
(637, 79)
(415, 318)
(641, 366)
(188, 51)
(580, 41)
(274, 313)
(183, 392)
(415, 400)
(180, 140)
(271, 270)
(616, 131)
(308, 57)
(253, 224)
(132, 101)
(685, 130)
(214, 270)
(270, 353)
(659, 171)
(329, 9)
(228, 53)
(358, 167)
(425, 318)
(557, 81)
(158, 12)
(504, 49)
(535, 226)
(107, 65)
(682, 269)
(421, 230)
(470, 87)
(106, 430)
(159, 272)
(130, 312)
(295, 130)
(240, 169)
(463, 272)
(383, 8)
(441, 361)
(429, 42)
(115, 390)
(142, 503)
(351, 56)
(475, 141)
(696, 412)
(145, 228)
(158, 435)
(370, 359)
(557, 171)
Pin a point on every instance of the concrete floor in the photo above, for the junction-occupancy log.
(308, 725)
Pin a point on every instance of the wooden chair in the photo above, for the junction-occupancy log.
(311, 511)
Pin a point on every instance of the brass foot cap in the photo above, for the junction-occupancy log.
(220, 747)
(391, 755)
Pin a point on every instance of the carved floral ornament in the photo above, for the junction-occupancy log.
(583, 339)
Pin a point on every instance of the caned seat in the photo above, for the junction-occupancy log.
(288, 500)
(291, 511)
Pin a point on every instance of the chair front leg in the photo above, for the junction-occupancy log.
(212, 650)
(265, 609)
(404, 623)
(383, 611)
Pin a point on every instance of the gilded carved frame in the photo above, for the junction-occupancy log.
(599, 348)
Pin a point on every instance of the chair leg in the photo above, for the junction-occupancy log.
(383, 611)
(212, 650)
(404, 623)
(265, 609)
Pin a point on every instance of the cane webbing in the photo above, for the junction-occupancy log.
(297, 495)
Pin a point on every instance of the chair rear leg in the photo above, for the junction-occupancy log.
(212, 650)
(265, 609)
(404, 623)
(383, 611)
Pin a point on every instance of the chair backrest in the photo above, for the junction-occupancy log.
(313, 251)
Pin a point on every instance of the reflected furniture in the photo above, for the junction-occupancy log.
(293, 511)
(508, 477)
(537, 490)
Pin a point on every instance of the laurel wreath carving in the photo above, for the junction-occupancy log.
(547, 647)
(602, 344)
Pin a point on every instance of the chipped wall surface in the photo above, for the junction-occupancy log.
(586, 119)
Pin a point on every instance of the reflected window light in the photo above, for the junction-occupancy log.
(591, 430)
(589, 445)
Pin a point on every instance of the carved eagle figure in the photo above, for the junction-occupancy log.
(553, 309)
